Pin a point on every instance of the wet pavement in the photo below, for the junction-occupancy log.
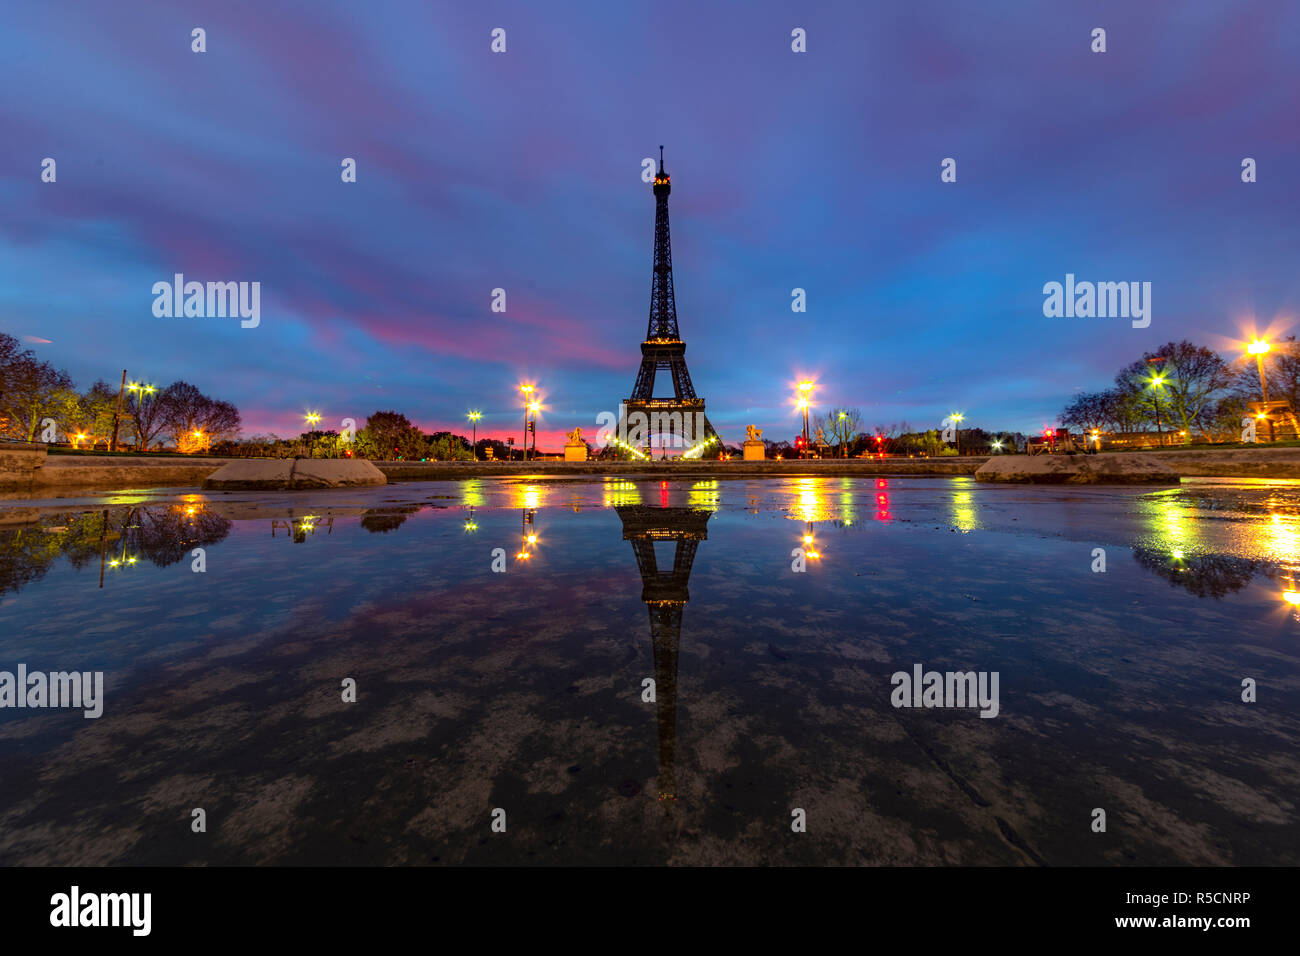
(523, 689)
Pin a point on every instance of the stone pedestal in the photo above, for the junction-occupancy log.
(755, 451)
(575, 451)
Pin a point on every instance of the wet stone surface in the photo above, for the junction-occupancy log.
(523, 689)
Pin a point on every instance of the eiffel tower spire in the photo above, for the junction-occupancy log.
(663, 305)
(663, 350)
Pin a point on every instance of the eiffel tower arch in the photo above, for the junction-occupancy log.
(679, 420)
(665, 595)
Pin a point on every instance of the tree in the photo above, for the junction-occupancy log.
(146, 415)
(89, 417)
(447, 447)
(1087, 411)
(1192, 376)
(193, 419)
(391, 435)
(840, 425)
(30, 390)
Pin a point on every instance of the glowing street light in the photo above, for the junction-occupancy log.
(142, 392)
(1259, 348)
(474, 416)
(311, 418)
(804, 400)
(1157, 383)
(528, 397)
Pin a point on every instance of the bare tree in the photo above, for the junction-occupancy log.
(193, 419)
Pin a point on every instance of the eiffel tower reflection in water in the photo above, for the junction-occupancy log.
(665, 594)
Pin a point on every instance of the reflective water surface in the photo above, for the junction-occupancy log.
(525, 689)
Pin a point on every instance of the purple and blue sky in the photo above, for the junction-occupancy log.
(522, 171)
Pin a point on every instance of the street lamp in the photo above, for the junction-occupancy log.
(141, 393)
(311, 418)
(957, 419)
(1259, 348)
(474, 416)
(534, 408)
(805, 390)
(528, 395)
(1157, 383)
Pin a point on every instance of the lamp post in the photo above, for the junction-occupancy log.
(474, 416)
(311, 418)
(1259, 348)
(957, 419)
(141, 393)
(805, 389)
(1157, 383)
(533, 408)
(528, 395)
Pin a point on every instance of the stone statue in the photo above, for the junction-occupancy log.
(821, 437)
(575, 436)
(753, 434)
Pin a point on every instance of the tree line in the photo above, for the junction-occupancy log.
(1191, 389)
(33, 391)
(386, 436)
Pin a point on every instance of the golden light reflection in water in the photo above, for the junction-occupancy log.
(619, 493)
(528, 537)
(472, 493)
(1173, 527)
(1280, 535)
(190, 506)
(527, 496)
(963, 511)
(811, 501)
(703, 494)
(1170, 524)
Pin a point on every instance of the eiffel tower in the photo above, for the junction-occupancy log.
(664, 350)
(665, 596)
